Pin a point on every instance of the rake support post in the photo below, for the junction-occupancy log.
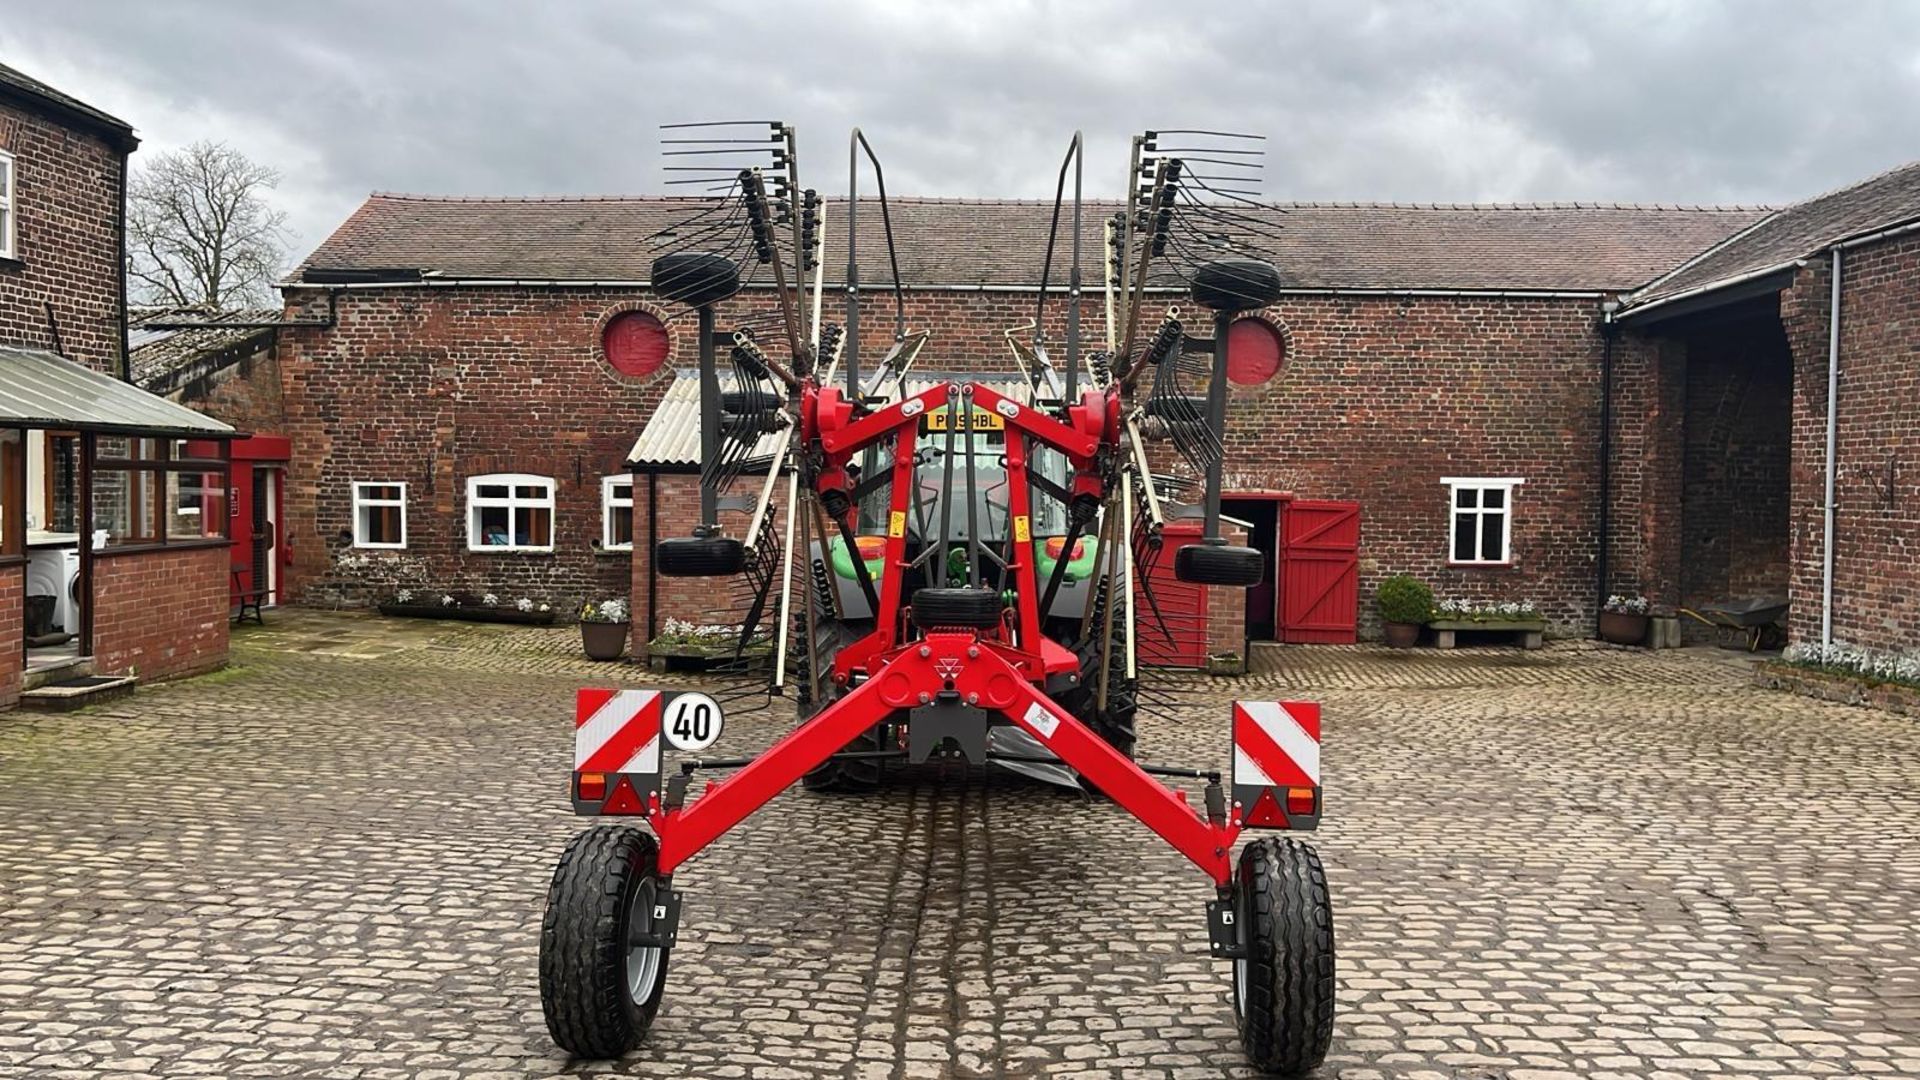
(1217, 423)
(709, 424)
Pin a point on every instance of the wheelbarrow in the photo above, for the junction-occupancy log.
(1761, 620)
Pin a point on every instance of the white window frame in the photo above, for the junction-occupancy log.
(9, 205)
(609, 503)
(511, 502)
(1503, 484)
(361, 499)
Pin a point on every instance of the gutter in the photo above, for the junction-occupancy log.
(1170, 290)
(1833, 469)
(1634, 311)
(1603, 565)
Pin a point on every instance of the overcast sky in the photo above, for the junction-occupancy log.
(1678, 101)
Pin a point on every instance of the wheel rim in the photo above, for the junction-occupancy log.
(643, 961)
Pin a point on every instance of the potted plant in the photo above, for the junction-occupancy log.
(1623, 619)
(1405, 605)
(604, 629)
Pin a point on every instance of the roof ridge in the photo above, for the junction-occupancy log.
(1844, 188)
(969, 200)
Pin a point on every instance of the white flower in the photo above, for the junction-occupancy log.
(523, 604)
(491, 599)
(403, 595)
(448, 601)
(546, 607)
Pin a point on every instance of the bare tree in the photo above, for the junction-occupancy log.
(199, 230)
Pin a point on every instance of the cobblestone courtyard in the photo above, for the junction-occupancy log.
(330, 861)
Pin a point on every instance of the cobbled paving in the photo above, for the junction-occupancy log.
(331, 861)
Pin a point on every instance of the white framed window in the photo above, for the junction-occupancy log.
(8, 205)
(1480, 520)
(379, 515)
(509, 512)
(616, 513)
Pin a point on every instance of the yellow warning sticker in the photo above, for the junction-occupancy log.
(897, 523)
(1020, 531)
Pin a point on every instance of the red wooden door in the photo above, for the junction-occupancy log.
(1319, 572)
(1177, 636)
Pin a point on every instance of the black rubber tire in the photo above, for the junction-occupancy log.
(1114, 724)
(1285, 1009)
(583, 943)
(849, 776)
(977, 609)
(695, 278)
(742, 402)
(1236, 285)
(699, 556)
(1220, 564)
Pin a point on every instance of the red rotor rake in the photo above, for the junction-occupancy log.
(969, 595)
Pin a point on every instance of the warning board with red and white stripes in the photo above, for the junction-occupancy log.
(1276, 764)
(616, 750)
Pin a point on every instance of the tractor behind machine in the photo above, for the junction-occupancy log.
(951, 567)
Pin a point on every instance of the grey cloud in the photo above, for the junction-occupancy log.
(1668, 102)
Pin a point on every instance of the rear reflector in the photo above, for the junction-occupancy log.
(1299, 800)
(592, 786)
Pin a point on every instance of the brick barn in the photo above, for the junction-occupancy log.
(1470, 377)
(113, 501)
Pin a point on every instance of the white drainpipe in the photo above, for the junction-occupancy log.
(1833, 416)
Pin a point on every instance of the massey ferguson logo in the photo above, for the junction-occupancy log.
(947, 667)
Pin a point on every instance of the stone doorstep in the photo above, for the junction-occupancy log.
(57, 671)
(77, 692)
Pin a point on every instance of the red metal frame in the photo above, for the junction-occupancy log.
(992, 669)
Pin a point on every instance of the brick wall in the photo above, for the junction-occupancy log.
(161, 614)
(1380, 398)
(67, 203)
(13, 660)
(245, 393)
(1876, 583)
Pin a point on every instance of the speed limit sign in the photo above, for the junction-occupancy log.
(692, 722)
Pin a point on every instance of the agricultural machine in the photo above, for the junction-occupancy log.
(971, 555)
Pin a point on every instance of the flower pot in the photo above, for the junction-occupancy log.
(604, 640)
(1402, 635)
(1622, 627)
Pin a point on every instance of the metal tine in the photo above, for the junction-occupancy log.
(1228, 163)
(709, 142)
(1157, 132)
(766, 149)
(775, 124)
(1176, 151)
(701, 168)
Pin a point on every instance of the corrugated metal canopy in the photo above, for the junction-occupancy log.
(671, 438)
(39, 389)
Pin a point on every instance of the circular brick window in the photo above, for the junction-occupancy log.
(635, 343)
(1255, 352)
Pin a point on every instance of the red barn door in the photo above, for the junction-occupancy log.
(1319, 572)
(1177, 635)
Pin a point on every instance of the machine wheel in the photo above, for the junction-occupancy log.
(700, 556)
(599, 991)
(849, 777)
(975, 608)
(1283, 984)
(695, 278)
(1219, 564)
(1236, 285)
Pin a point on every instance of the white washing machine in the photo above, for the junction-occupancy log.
(55, 572)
